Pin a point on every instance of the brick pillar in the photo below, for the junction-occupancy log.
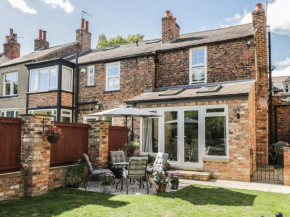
(286, 165)
(103, 144)
(94, 140)
(35, 154)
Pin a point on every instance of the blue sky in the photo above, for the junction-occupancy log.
(60, 18)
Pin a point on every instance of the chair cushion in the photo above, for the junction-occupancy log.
(88, 163)
(149, 170)
(160, 162)
(99, 172)
(117, 156)
(137, 167)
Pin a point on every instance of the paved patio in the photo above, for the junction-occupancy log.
(257, 186)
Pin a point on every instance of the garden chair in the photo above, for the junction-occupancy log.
(159, 163)
(136, 170)
(116, 157)
(91, 171)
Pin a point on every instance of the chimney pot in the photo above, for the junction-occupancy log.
(40, 34)
(7, 38)
(258, 6)
(174, 19)
(167, 13)
(87, 25)
(44, 35)
(83, 23)
(11, 33)
(15, 36)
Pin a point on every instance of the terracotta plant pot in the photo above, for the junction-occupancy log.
(174, 185)
(161, 188)
(149, 176)
(53, 139)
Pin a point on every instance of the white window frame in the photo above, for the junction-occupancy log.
(107, 76)
(89, 75)
(53, 111)
(71, 81)
(205, 65)
(4, 111)
(38, 81)
(66, 115)
(11, 84)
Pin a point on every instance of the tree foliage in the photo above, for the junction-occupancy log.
(103, 41)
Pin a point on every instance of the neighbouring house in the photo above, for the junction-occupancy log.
(211, 88)
(281, 85)
(36, 82)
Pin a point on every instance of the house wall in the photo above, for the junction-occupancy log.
(136, 76)
(66, 99)
(18, 101)
(57, 176)
(42, 99)
(11, 185)
(237, 166)
(226, 61)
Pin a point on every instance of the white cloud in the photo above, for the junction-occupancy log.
(64, 4)
(21, 5)
(281, 72)
(278, 17)
(283, 63)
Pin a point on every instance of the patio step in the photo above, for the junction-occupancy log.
(192, 175)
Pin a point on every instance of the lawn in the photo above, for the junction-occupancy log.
(194, 200)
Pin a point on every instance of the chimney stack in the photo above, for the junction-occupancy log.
(83, 36)
(11, 48)
(170, 29)
(41, 43)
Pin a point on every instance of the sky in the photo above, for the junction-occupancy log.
(60, 18)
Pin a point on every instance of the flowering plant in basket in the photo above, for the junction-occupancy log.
(108, 178)
(52, 133)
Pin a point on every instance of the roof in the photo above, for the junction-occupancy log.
(278, 81)
(3, 58)
(35, 55)
(185, 40)
(236, 88)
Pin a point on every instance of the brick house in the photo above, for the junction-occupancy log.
(210, 87)
(33, 83)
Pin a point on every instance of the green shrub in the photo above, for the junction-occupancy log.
(76, 174)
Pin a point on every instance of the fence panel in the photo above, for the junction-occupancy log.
(10, 144)
(117, 138)
(72, 144)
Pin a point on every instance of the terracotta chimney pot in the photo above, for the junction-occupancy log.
(83, 23)
(258, 6)
(44, 35)
(174, 19)
(167, 13)
(87, 25)
(40, 34)
(7, 38)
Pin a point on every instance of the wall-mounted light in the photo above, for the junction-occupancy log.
(251, 43)
(83, 71)
(238, 112)
(98, 106)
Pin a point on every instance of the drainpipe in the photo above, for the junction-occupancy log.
(77, 88)
(270, 89)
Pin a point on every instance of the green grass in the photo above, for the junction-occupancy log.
(194, 200)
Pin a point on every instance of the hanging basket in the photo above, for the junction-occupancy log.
(53, 139)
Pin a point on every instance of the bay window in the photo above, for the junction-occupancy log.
(113, 76)
(67, 78)
(51, 112)
(10, 84)
(198, 63)
(66, 115)
(43, 79)
(9, 113)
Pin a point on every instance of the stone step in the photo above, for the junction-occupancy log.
(192, 175)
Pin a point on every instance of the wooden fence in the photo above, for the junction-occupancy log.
(117, 138)
(72, 144)
(10, 144)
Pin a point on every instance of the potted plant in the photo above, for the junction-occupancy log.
(108, 179)
(151, 159)
(75, 175)
(174, 180)
(160, 180)
(52, 133)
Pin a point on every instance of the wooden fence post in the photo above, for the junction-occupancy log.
(35, 154)
(286, 165)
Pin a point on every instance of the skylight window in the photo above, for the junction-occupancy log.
(170, 92)
(208, 89)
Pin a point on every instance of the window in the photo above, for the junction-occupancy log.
(113, 76)
(44, 112)
(67, 78)
(43, 79)
(9, 113)
(286, 88)
(216, 132)
(209, 89)
(91, 76)
(66, 115)
(150, 134)
(10, 86)
(171, 92)
(198, 65)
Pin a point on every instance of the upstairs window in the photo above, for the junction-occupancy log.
(198, 64)
(10, 86)
(113, 76)
(9, 113)
(287, 88)
(43, 79)
(91, 76)
(67, 78)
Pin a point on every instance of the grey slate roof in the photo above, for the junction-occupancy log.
(185, 40)
(34, 55)
(3, 58)
(278, 81)
(236, 88)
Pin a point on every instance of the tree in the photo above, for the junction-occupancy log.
(118, 40)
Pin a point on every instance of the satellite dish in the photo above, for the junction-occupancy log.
(273, 68)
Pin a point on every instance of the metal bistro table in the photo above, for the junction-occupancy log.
(118, 165)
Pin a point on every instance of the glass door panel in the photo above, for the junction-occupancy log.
(191, 131)
(171, 134)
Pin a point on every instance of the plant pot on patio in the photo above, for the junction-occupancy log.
(161, 188)
(107, 189)
(174, 185)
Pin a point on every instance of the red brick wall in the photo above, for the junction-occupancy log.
(42, 99)
(226, 61)
(66, 99)
(57, 176)
(286, 166)
(170, 30)
(11, 186)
